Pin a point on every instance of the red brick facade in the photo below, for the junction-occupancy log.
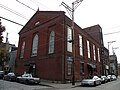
(54, 66)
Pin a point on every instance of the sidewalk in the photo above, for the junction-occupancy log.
(59, 85)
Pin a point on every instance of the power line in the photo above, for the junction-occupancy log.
(26, 5)
(40, 4)
(12, 11)
(28, 27)
(112, 33)
(113, 27)
(11, 21)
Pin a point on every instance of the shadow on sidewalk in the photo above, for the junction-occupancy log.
(46, 85)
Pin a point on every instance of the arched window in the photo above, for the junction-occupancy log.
(22, 50)
(51, 42)
(35, 45)
(80, 45)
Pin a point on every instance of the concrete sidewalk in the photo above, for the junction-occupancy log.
(59, 85)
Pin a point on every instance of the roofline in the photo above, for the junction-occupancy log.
(62, 12)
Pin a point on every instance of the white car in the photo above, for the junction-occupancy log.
(109, 77)
(113, 77)
(28, 79)
(92, 81)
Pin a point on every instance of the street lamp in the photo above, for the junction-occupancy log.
(71, 13)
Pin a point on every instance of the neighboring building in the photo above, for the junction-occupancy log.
(119, 69)
(45, 48)
(113, 64)
(105, 62)
(11, 58)
(96, 33)
(3, 52)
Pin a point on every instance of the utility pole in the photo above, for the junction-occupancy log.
(109, 43)
(113, 50)
(71, 13)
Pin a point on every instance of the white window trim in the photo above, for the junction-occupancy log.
(35, 45)
(94, 52)
(98, 54)
(69, 38)
(22, 50)
(80, 45)
(51, 42)
(88, 48)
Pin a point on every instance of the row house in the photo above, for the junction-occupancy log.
(96, 32)
(45, 48)
(113, 64)
(11, 57)
(118, 69)
(5, 56)
(105, 61)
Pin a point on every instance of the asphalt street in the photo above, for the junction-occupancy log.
(7, 85)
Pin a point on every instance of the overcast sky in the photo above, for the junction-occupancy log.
(89, 13)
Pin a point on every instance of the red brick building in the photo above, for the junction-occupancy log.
(96, 32)
(45, 49)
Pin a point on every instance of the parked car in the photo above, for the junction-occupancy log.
(109, 78)
(2, 74)
(28, 79)
(92, 81)
(10, 77)
(113, 77)
(104, 79)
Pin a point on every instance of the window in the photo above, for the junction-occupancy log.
(94, 53)
(69, 38)
(35, 45)
(37, 23)
(51, 42)
(69, 65)
(22, 50)
(80, 45)
(88, 48)
(82, 68)
(98, 54)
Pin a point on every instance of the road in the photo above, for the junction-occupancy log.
(6, 85)
(113, 85)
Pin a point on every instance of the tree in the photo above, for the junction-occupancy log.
(2, 29)
(1, 60)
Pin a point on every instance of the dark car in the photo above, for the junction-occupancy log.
(10, 77)
(104, 79)
(1, 74)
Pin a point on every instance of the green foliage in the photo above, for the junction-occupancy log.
(2, 29)
(1, 59)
